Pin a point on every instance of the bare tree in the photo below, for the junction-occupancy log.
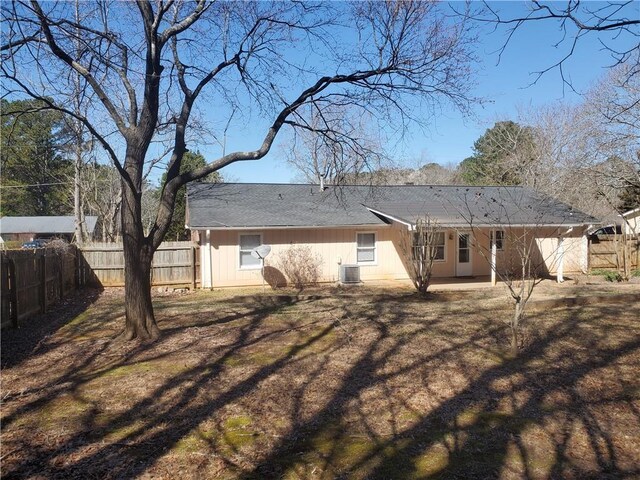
(510, 229)
(583, 154)
(102, 195)
(615, 24)
(612, 113)
(151, 63)
(336, 144)
(421, 245)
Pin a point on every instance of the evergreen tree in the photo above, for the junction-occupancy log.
(630, 197)
(500, 156)
(35, 176)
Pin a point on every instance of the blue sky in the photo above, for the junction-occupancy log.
(505, 86)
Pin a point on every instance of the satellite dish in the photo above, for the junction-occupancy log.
(261, 252)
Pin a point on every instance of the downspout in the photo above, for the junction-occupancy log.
(210, 265)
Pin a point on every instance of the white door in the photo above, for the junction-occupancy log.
(463, 255)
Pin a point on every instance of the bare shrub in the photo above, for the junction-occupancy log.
(421, 245)
(300, 265)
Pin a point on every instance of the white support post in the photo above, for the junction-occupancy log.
(559, 275)
(205, 261)
(494, 255)
(584, 264)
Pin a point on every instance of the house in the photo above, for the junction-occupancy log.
(25, 229)
(363, 226)
(631, 220)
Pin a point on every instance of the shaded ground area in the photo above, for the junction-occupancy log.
(329, 384)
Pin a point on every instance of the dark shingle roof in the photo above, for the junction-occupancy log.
(287, 205)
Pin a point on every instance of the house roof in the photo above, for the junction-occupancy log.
(243, 205)
(53, 225)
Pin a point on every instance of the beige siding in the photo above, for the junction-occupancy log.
(574, 247)
(338, 245)
(331, 245)
(632, 224)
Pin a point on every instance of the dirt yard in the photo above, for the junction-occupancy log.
(358, 383)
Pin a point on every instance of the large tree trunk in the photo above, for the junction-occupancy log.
(138, 254)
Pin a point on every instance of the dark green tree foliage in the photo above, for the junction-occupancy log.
(190, 161)
(500, 157)
(630, 197)
(35, 176)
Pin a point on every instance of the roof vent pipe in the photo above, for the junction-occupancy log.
(322, 187)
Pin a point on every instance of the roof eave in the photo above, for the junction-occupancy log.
(287, 227)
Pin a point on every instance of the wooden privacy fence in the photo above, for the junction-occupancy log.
(174, 264)
(31, 280)
(607, 252)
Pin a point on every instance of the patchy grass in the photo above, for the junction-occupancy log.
(329, 383)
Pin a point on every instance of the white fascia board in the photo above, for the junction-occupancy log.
(390, 217)
(295, 227)
(630, 212)
(503, 225)
(380, 225)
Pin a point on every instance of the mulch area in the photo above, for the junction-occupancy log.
(329, 383)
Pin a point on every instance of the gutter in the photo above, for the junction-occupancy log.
(289, 227)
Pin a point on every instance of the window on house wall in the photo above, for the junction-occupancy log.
(497, 236)
(439, 245)
(440, 239)
(366, 247)
(247, 244)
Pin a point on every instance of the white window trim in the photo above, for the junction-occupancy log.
(492, 239)
(248, 267)
(444, 259)
(375, 249)
(469, 247)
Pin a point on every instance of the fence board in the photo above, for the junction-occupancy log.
(8, 314)
(174, 264)
(34, 279)
(606, 252)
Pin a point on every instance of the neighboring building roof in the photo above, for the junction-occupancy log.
(245, 205)
(51, 225)
(631, 213)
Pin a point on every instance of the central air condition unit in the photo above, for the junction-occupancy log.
(349, 274)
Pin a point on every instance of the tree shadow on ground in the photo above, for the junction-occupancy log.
(22, 342)
(363, 418)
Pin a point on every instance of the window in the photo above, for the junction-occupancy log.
(438, 244)
(366, 247)
(498, 235)
(248, 243)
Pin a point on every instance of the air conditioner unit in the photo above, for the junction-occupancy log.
(349, 274)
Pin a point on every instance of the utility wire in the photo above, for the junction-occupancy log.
(35, 185)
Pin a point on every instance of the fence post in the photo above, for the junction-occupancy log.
(60, 263)
(42, 260)
(193, 268)
(76, 267)
(13, 293)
